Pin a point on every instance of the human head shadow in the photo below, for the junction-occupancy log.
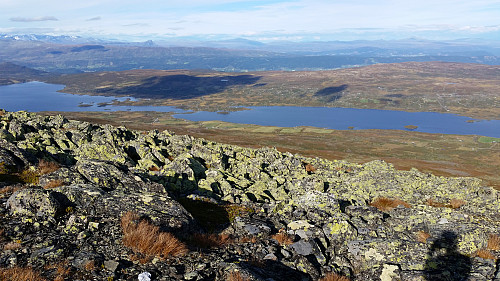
(180, 87)
(331, 94)
(444, 262)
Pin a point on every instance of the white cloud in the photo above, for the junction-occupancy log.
(256, 17)
(46, 18)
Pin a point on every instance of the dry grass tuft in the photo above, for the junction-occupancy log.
(154, 169)
(310, 168)
(236, 276)
(248, 239)
(453, 204)
(387, 204)
(283, 238)
(9, 189)
(63, 270)
(46, 167)
(210, 240)
(90, 266)
(12, 246)
(145, 238)
(456, 203)
(20, 274)
(485, 254)
(334, 277)
(422, 236)
(53, 184)
(433, 203)
(493, 242)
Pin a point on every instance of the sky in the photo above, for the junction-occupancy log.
(266, 21)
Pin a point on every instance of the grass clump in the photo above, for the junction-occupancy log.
(334, 277)
(20, 274)
(453, 203)
(211, 240)
(493, 242)
(283, 238)
(46, 167)
(485, 254)
(145, 238)
(386, 204)
(236, 276)
(53, 184)
(422, 236)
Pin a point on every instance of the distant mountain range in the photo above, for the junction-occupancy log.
(72, 54)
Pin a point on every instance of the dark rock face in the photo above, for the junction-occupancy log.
(244, 197)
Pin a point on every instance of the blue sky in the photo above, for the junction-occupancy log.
(298, 20)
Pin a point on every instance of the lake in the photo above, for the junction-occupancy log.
(38, 96)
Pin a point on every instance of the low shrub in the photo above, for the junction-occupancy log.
(145, 238)
(456, 203)
(212, 240)
(283, 238)
(422, 236)
(53, 184)
(334, 277)
(493, 242)
(47, 167)
(20, 273)
(453, 203)
(236, 276)
(387, 204)
(484, 254)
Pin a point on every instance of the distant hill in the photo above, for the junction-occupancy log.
(12, 73)
(74, 55)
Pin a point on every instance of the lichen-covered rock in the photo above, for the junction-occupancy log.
(34, 202)
(275, 215)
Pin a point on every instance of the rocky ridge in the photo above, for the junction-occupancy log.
(273, 215)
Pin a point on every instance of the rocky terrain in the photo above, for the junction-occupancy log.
(97, 202)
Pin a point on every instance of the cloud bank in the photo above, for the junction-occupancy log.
(46, 18)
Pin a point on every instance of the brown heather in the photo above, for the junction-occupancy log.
(433, 203)
(283, 238)
(62, 270)
(12, 246)
(310, 168)
(236, 276)
(145, 238)
(456, 203)
(46, 167)
(248, 239)
(90, 266)
(203, 240)
(493, 242)
(422, 236)
(485, 254)
(334, 277)
(53, 184)
(387, 204)
(453, 204)
(154, 169)
(20, 274)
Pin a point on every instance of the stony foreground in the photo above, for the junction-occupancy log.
(91, 202)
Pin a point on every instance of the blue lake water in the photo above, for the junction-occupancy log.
(38, 96)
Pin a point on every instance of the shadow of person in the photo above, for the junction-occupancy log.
(444, 262)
